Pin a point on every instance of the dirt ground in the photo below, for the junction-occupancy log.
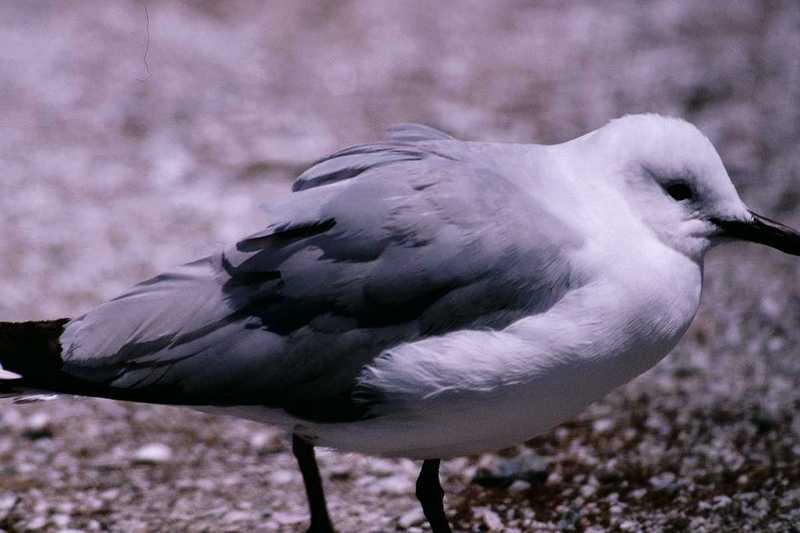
(138, 135)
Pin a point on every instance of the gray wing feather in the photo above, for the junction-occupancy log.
(409, 132)
(289, 317)
(402, 146)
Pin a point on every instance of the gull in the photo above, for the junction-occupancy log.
(421, 297)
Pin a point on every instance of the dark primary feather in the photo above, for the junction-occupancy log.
(406, 241)
(31, 349)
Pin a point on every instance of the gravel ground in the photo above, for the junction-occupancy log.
(138, 135)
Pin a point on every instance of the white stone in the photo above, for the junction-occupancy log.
(411, 518)
(153, 453)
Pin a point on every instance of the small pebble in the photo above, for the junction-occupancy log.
(37, 523)
(411, 518)
(519, 486)
(489, 518)
(288, 519)
(154, 453)
(397, 484)
(603, 425)
(281, 477)
(239, 516)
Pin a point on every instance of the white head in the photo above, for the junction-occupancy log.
(673, 179)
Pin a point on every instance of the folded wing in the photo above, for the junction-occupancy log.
(389, 243)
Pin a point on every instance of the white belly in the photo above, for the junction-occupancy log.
(485, 421)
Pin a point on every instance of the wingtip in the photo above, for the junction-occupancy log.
(6, 375)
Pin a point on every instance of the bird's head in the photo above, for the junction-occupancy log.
(671, 177)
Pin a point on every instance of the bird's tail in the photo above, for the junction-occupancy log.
(30, 353)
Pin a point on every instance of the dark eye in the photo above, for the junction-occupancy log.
(679, 191)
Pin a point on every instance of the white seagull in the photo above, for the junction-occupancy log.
(421, 297)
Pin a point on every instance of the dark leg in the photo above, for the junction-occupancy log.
(304, 453)
(431, 496)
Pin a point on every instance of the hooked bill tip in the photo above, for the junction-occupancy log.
(762, 230)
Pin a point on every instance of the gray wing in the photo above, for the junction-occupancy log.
(404, 248)
(402, 145)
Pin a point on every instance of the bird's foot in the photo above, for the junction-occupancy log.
(321, 528)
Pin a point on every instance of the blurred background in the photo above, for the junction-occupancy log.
(138, 135)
